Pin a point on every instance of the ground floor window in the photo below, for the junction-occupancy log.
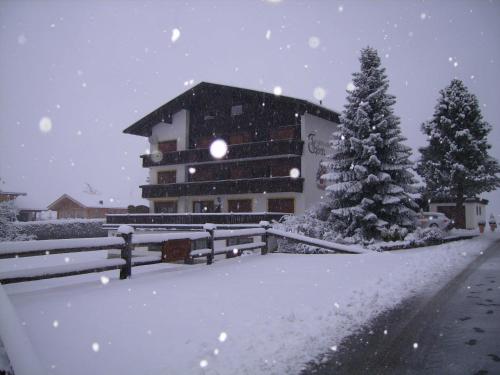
(203, 206)
(239, 205)
(166, 207)
(286, 205)
(167, 177)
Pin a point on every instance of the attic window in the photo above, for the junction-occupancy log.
(210, 115)
(236, 110)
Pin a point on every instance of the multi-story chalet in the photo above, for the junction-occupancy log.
(275, 146)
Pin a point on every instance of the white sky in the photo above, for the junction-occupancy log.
(95, 67)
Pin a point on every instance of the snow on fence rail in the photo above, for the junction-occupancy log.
(128, 240)
(339, 248)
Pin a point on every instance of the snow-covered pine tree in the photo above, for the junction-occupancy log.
(369, 174)
(455, 164)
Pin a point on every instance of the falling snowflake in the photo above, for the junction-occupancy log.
(294, 173)
(385, 332)
(336, 305)
(423, 16)
(319, 93)
(104, 280)
(216, 351)
(455, 64)
(45, 124)
(334, 348)
(314, 42)
(350, 86)
(218, 148)
(66, 260)
(415, 345)
(21, 39)
(268, 34)
(222, 336)
(340, 8)
(277, 90)
(55, 324)
(192, 170)
(95, 346)
(176, 34)
(203, 363)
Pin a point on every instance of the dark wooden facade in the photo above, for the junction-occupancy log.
(224, 187)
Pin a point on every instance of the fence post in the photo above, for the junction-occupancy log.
(126, 232)
(265, 237)
(210, 228)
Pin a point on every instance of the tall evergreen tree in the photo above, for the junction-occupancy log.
(455, 164)
(369, 171)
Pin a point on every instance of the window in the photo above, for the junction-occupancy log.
(285, 205)
(239, 205)
(166, 207)
(282, 133)
(236, 110)
(167, 146)
(210, 115)
(203, 206)
(167, 177)
(238, 138)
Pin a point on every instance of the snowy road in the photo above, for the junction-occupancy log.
(455, 332)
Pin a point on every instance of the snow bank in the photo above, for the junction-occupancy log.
(246, 315)
(22, 357)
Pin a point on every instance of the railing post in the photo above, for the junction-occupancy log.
(126, 233)
(265, 237)
(210, 228)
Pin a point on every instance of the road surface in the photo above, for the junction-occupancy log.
(455, 332)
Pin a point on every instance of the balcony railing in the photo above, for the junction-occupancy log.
(238, 151)
(242, 186)
(194, 218)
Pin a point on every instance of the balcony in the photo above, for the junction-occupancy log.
(223, 187)
(193, 218)
(237, 151)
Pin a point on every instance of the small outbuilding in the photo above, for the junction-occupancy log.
(91, 207)
(473, 212)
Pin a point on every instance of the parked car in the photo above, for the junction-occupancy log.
(435, 220)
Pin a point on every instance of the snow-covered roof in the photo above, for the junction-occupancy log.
(90, 200)
(185, 101)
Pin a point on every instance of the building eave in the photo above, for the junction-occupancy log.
(164, 113)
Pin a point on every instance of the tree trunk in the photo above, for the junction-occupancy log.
(459, 208)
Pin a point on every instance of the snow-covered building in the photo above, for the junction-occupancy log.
(473, 212)
(91, 207)
(275, 145)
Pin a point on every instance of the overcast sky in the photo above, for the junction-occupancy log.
(92, 68)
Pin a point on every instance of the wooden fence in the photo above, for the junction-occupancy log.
(126, 242)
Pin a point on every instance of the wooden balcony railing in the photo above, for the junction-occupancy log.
(238, 151)
(242, 186)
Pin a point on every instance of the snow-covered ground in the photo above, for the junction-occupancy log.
(247, 315)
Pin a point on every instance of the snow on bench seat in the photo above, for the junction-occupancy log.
(60, 270)
(29, 248)
(230, 233)
(320, 243)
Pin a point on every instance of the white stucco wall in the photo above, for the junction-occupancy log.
(316, 134)
(177, 130)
